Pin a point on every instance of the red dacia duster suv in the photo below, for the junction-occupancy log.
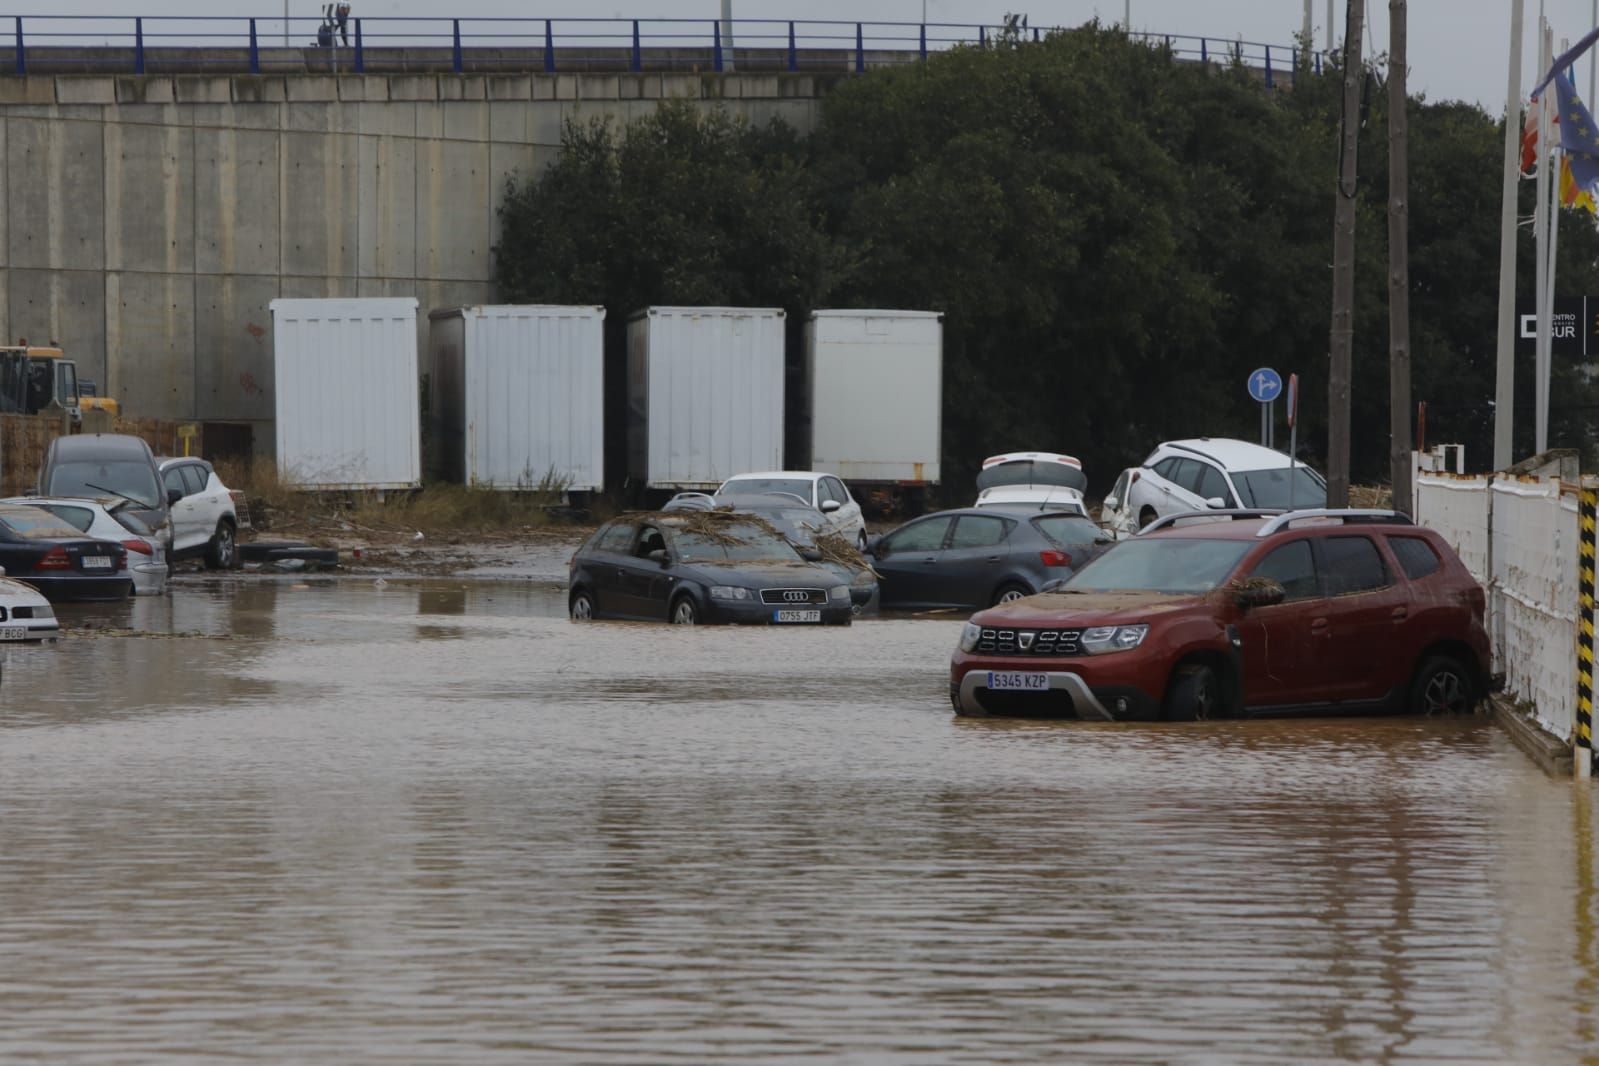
(1238, 612)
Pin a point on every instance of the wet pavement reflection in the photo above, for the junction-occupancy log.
(333, 820)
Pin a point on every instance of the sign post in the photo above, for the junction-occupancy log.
(1293, 433)
(1265, 385)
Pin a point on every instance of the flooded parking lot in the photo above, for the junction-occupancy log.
(333, 820)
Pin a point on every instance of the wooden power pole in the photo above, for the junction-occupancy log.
(1398, 262)
(1343, 309)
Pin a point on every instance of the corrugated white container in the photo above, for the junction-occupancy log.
(704, 394)
(516, 395)
(876, 381)
(346, 389)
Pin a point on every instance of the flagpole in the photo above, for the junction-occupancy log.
(1546, 335)
(1540, 227)
(1505, 376)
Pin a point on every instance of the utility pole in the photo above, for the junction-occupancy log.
(1398, 262)
(1307, 29)
(1505, 376)
(1329, 27)
(727, 34)
(1341, 349)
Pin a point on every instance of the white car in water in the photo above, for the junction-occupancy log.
(1035, 481)
(205, 516)
(1209, 472)
(825, 492)
(24, 613)
(109, 518)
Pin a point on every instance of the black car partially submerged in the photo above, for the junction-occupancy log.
(693, 567)
(58, 560)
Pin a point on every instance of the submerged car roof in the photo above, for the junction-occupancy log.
(117, 445)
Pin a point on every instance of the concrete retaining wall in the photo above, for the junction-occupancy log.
(148, 222)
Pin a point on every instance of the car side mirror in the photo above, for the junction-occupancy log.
(1111, 503)
(874, 543)
(173, 496)
(659, 556)
(829, 506)
(810, 555)
(1258, 592)
(1104, 536)
(1216, 503)
(1054, 584)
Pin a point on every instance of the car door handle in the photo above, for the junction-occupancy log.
(994, 558)
(1318, 625)
(1401, 613)
(930, 560)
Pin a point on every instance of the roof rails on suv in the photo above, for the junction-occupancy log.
(1231, 513)
(1279, 520)
(1330, 514)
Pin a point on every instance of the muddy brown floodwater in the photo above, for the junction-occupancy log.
(434, 821)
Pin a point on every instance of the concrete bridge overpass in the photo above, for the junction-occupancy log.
(148, 220)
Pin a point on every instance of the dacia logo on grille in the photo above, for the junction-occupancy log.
(1025, 639)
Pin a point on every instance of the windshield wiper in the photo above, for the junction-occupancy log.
(126, 499)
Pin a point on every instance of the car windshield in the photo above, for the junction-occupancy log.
(798, 525)
(1033, 472)
(733, 542)
(32, 523)
(1160, 564)
(1269, 488)
(757, 486)
(122, 477)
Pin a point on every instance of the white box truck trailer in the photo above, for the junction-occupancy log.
(516, 396)
(348, 415)
(876, 405)
(704, 394)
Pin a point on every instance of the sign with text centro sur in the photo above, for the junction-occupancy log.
(1265, 385)
(1573, 328)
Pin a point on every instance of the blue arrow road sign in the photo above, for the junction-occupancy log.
(1265, 385)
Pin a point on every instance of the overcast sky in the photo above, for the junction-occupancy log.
(1458, 48)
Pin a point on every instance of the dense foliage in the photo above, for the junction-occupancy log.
(1116, 238)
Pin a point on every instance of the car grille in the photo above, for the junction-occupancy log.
(17, 612)
(1048, 642)
(793, 597)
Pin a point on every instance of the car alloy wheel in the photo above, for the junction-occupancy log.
(582, 607)
(684, 612)
(1443, 687)
(223, 548)
(1010, 594)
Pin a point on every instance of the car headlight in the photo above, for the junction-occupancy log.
(838, 592)
(970, 636)
(1100, 639)
(44, 610)
(730, 592)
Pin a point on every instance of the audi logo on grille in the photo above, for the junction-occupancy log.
(797, 596)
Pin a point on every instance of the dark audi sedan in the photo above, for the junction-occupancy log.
(58, 560)
(694, 567)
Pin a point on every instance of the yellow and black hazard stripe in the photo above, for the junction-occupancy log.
(1587, 505)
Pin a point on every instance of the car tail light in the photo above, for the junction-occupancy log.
(142, 547)
(1133, 478)
(1055, 558)
(54, 559)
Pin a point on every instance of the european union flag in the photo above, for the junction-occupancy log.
(1579, 136)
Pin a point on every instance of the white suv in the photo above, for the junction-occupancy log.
(825, 492)
(1209, 472)
(205, 519)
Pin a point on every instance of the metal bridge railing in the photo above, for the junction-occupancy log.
(239, 44)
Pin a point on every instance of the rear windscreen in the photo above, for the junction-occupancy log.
(31, 523)
(1031, 472)
(116, 477)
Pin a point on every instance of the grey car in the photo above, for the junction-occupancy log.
(972, 557)
(114, 465)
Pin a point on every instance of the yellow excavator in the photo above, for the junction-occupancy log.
(42, 380)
